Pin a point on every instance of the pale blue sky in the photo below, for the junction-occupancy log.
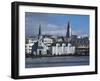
(55, 24)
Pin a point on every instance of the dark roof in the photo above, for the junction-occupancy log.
(40, 47)
(36, 46)
(54, 44)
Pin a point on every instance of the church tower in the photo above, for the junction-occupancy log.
(39, 34)
(69, 31)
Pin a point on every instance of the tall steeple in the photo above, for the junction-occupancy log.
(39, 34)
(69, 32)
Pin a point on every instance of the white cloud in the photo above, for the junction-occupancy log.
(57, 32)
(79, 33)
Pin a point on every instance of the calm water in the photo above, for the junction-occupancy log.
(56, 61)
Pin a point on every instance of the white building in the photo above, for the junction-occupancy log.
(42, 48)
(47, 41)
(43, 45)
(28, 46)
(63, 49)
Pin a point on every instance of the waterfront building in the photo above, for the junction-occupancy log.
(57, 45)
(39, 48)
(28, 46)
(47, 41)
(63, 49)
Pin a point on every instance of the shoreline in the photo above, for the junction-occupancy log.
(33, 56)
(56, 61)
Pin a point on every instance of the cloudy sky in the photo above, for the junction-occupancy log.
(55, 24)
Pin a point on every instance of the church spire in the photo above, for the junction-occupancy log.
(39, 29)
(68, 34)
(39, 34)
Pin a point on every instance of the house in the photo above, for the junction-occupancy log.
(63, 49)
(28, 46)
(47, 41)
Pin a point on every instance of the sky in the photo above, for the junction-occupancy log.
(56, 24)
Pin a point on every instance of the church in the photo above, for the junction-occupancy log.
(65, 47)
(39, 48)
(54, 48)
